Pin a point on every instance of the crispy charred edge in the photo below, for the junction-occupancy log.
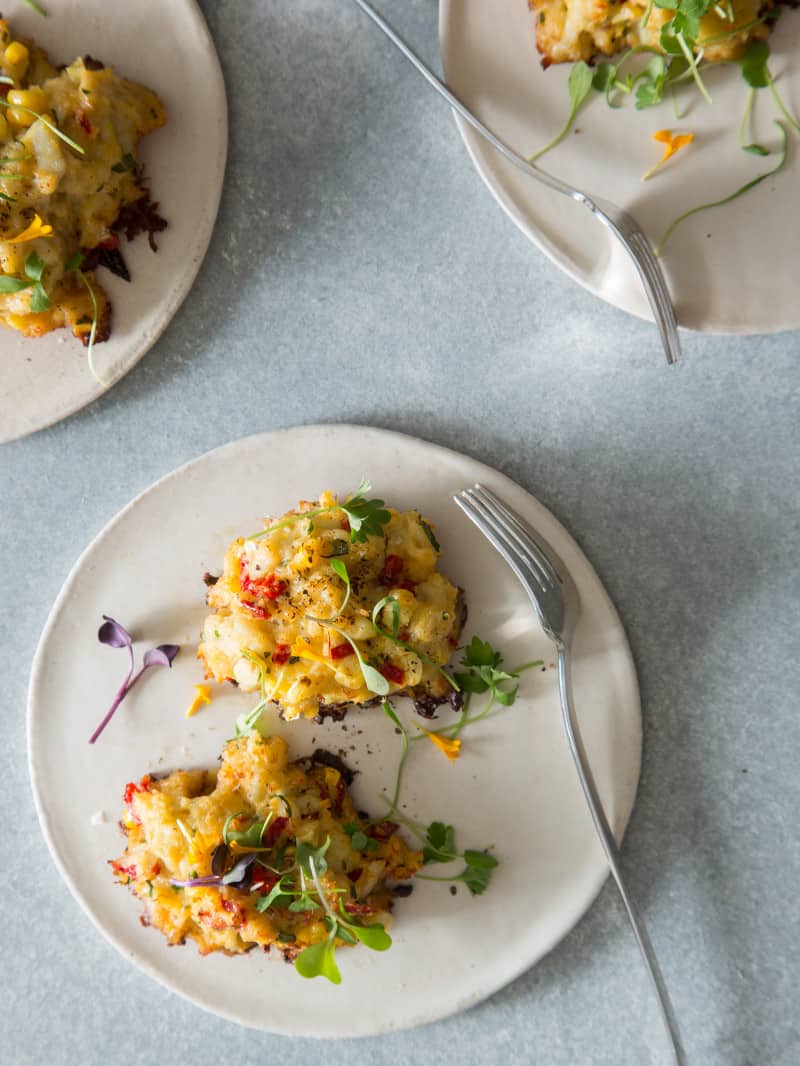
(93, 64)
(323, 757)
(102, 330)
(209, 579)
(141, 216)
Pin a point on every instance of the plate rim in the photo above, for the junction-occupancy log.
(196, 254)
(640, 311)
(140, 962)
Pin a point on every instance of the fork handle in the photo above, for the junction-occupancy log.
(612, 854)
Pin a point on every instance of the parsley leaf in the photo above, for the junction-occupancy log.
(367, 517)
(439, 843)
(485, 674)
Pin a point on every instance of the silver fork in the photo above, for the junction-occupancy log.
(555, 601)
(624, 228)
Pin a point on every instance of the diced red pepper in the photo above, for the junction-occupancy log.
(111, 243)
(281, 654)
(354, 907)
(263, 879)
(132, 788)
(273, 831)
(392, 569)
(392, 673)
(156, 869)
(382, 830)
(270, 586)
(121, 868)
(341, 651)
(407, 584)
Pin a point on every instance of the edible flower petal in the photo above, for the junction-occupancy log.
(202, 695)
(672, 142)
(449, 747)
(36, 229)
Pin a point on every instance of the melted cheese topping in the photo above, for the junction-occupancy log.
(175, 824)
(79, 196)
(569, 30)
(263, 633)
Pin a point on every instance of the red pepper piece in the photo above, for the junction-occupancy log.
(132, 788)
(121, 868)
(392, 673)
(392, 569)
(341, 651)
(353, 907)
(382, 830)
(111, 243)
(263, 879)
(273, 832)
(281, 654)
(407, 584)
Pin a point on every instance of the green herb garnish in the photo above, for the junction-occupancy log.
(727, 199)
(366, 517)
(579, 86)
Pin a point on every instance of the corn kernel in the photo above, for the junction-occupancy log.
(15, 59)
(34, 99)
(16, 52)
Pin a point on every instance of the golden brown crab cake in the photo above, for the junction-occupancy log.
(296, 617)
(69, 184)
(569, 30)
(252, 818)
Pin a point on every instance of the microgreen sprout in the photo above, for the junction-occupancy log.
(579, 86)
(439, 839)
(727, 199)
(366, 517)
(116, 636)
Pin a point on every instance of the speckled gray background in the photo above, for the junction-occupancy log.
(360, 272)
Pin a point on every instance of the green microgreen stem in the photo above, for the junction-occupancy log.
(92, 332)
(389, 712)
(579, 85)
(46, 122)
(777, 98)
(748, 107)
(726, 199)
(693, 62)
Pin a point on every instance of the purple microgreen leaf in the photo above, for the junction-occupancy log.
(113, 634)
(209, 879)
(116, 636)
(239, 875)
(161, 656)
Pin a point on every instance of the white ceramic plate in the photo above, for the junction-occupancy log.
(47, 379)
(514, 787)
(730, 270)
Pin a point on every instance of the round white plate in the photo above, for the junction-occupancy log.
(46, 379)
(731, 269)
(513, 788)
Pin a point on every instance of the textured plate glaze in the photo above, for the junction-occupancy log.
(46, 379)
(730, 270)
(513, 789)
